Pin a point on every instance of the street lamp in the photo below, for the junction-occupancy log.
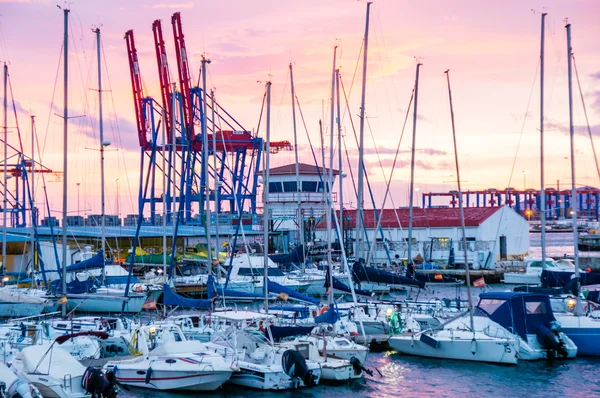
(78, 184)
(528, 214)
(524, 179)
(118, 210)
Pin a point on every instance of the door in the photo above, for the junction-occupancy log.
(503, 255)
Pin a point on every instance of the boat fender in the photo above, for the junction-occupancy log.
(148, 376)
(550, 340)
(396, 323)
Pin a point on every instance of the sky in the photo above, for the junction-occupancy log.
(492, 50)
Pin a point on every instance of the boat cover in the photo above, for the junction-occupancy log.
(277, 288)
(95, 262)
(301, 310)
(362, 273)
(521, 313)
(150, 259)
(338, 285)
(330, 316)
(562, 278)
(280, 332)
(296, 256)
(172, 298)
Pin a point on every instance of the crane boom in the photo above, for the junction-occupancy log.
(163, 75)
(136, 84)
(184, 75)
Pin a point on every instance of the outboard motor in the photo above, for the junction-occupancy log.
(294, 365)
(550, 339)
(357, 366)
(98, 384)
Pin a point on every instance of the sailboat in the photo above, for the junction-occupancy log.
(87, 297)
(468, 338)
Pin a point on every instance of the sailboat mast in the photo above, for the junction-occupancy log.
(329, 180)
(460, 203)
(32, 196)
(574, 205)
(65, 149)
(298, 186)
(266, 201)
(101, 128)
(340, 160)
(205, 165)
(217, 182)
(5, 176)
(165, 184)
(361, 167)
(412, 167)
(543, 189)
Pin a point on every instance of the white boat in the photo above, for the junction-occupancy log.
(165, 360)
(456, 340)
(56, 373)
(109, 300)
(262, 365)
(532, 319)
(194, 327)
(18, 303)
(337, 347)
(332, 369)
(13, 386)
(532, 271)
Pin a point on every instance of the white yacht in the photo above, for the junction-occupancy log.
(532, 271)
(262, 365)
(166, 360)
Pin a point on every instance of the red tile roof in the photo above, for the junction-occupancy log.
(303, 168)
(422, 218)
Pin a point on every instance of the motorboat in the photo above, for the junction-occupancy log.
(584, 328)
(13, 386)
(165, 360)
(531, 319)
(332, 369)
(532, 271)
(336, 346)
(194, 327)
(455, 339)
(262, 364)
(56, 373)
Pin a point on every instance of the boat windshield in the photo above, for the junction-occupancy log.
(490, 305)
(259, 272)
(538, 264)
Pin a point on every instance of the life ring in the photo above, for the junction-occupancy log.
(396, 323)
(324, 310)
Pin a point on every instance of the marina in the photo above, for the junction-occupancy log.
(174, 230)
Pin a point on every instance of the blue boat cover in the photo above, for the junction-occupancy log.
(95, 262)
(338, 285)
(280, 332)
(296, 256)
(363, 273)
(120, 280)
(562, 278)
(172, 298)
(75, 286)
(213, 291)
(277, 288)
(330, 316)
(520, 313)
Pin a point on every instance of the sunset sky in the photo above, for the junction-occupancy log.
(491, 49)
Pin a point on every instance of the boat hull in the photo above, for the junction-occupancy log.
(257, 377)
(167, 380)
(493, 351)
(101, 304)
(8, 310)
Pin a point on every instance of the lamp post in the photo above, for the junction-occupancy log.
(524, 179)
(118, 210)
(78, 184)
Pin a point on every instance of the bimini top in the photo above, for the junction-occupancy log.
(519, 312)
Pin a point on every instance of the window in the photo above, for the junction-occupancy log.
(538, 264)
(275, 187)
(535, 307)
(320, 187)
(309, 186)
(490, 305)
(290, 186)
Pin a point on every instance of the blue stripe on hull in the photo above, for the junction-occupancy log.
(587, 340)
